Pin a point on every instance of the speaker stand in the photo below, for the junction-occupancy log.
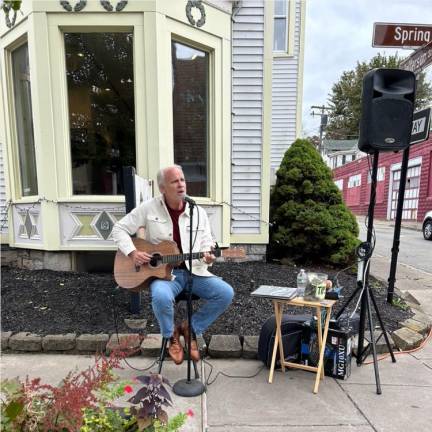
(398, 221)
(365, 292)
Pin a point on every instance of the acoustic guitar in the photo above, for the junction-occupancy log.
(165, 256)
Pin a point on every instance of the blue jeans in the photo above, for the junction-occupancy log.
(217, 293)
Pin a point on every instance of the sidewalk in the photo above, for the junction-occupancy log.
(413, 225)
(252, 404)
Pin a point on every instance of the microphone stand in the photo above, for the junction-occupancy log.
(189, 387)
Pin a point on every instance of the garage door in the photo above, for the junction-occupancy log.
(412, 187)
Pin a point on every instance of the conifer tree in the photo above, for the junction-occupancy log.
(311, 223)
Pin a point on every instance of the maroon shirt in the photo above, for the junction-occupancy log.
(175, 214)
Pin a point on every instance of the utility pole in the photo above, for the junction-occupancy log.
(323, 124)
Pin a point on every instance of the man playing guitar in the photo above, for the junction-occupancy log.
(167, 218)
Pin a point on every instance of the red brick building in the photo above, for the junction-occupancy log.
(353, 179)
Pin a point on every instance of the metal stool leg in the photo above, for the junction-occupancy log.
(195, 367)
(162, 353)
(196, 370)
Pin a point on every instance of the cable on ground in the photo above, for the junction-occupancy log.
(421, 346)
(115, 317)
(209, 383)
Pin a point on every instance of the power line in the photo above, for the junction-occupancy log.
(324, 119)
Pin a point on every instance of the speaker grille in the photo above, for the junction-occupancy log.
(390, 124)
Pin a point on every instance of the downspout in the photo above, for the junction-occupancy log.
(236, 6)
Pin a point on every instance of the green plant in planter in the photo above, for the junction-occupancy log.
(104, 417)
(150, 401)
(31, 405)
(83, 402)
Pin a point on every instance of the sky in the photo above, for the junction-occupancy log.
(339, 33)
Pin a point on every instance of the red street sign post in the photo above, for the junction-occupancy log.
(418, 60)
(401, 35)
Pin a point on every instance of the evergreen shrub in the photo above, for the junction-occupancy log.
(311, 223)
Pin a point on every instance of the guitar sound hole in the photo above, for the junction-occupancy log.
(155, 259)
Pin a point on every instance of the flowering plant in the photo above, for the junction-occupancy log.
(83, 403)
(34, 406)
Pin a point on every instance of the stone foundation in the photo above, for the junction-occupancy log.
(33, 259)
(254, 252)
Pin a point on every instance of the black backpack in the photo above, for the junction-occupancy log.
(292, 328)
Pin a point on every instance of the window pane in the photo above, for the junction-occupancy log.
(99, 68)
(280, 37)
(280, 7)
(24, 120)
(190, 115)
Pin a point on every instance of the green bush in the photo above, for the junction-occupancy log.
(311, 223)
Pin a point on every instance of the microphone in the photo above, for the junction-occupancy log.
(189, 200)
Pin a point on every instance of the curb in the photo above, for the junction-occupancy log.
(414, 226)
(220, 346)
(409, 336)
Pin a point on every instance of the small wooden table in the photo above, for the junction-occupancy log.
(322, 336)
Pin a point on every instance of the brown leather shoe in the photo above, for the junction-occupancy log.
(184, 330)
(175, 349)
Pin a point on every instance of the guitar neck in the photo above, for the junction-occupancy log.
(172, 259)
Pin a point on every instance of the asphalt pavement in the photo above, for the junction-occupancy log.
(414, 263)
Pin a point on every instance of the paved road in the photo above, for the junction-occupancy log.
(414, 266)
(414, 251)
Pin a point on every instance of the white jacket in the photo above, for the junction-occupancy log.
(153, 216)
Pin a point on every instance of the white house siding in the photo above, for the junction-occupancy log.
(247, 119)
(225, 5)
(3, 205)
(284, 97)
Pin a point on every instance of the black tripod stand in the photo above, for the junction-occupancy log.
(189, 387)
(364, 253)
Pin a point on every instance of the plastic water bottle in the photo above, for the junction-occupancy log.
(302, 280)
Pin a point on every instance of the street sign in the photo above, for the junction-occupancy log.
(401, 35)
(420, 126)
(418, 60)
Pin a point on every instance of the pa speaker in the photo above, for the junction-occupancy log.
(387, 110)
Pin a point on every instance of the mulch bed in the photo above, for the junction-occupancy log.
(49, 302)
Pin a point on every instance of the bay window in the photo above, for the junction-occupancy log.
(100, 83)
(190, 71)
(24, 120)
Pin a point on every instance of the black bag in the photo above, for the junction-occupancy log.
(291, 328)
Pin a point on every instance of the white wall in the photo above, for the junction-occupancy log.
(247, 119)
(284, 98)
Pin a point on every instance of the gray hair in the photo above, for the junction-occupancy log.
(161, 174)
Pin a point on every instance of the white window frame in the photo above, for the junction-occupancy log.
(380, 174)
(354, 181)
(289, 29)
(14, 157)
(339, 184)
(96, 30)
(210, 93)
(58, 25)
